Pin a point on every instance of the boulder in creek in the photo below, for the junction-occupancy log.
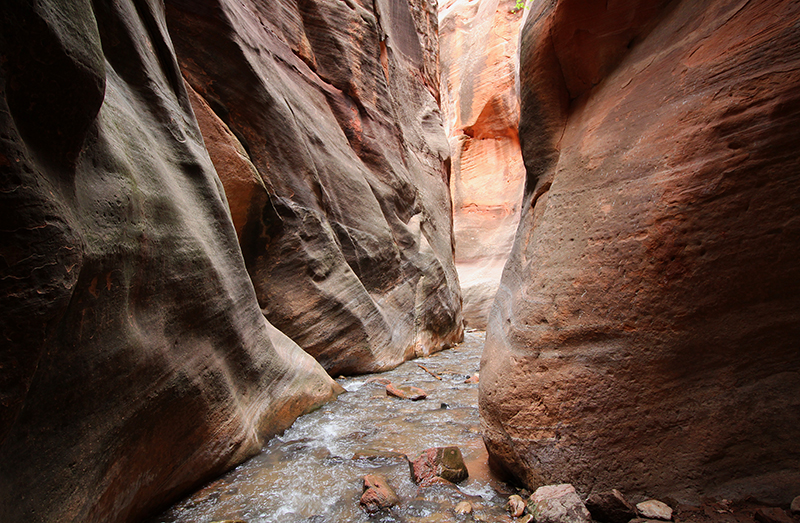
(406, 392)
(610, 507)
(378, 495)
(557, 504)
(654, 286)
(442, 462)
(654, 509)
(136, 363)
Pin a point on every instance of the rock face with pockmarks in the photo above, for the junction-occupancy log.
(478, 42)
(135, 361)
(322, 119)
(645, 334)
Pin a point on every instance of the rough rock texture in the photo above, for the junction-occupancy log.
(557, 504)
(654, 509)
(378, 494)
(645, 333)
(135, 360)
(478, 42)
(439, 462)
(321, 117)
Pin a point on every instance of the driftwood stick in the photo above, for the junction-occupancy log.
(429, 372)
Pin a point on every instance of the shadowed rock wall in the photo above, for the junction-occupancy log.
(480, 104)
(135, 361)
(645, 332)
(322, 119)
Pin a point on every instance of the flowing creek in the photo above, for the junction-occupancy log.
(308, 473)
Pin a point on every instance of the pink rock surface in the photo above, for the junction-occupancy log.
(645, 335)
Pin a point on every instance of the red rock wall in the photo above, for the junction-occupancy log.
(322, 120)
(645, 335)
(478, 43)
(135, 362)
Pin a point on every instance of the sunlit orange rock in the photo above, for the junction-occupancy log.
(478, 43)
(645, 334)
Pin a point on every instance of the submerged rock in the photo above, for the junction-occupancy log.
(610, 507)
(406, 393)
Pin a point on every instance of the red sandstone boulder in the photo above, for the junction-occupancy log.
(645, 337)
(322, 120)
(440, 462)
(478, 43)
(378, 495)
(135, 363)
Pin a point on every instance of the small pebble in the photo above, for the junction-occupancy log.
(795, 508)
(464, 507)
(515, 505)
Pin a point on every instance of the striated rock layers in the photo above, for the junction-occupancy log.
(321, 117)
(478, 41)
(645, 333)
(135, 361)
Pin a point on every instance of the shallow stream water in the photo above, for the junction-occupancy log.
(308, 473)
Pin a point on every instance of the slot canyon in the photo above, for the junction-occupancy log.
(245, 240)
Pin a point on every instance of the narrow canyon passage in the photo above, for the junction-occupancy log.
(210, 210)
(314, 471)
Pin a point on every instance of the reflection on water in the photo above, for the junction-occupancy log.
(308, 474)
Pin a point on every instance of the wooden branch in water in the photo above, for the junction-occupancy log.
(429, 372)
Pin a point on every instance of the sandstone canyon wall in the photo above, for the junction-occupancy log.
(478, 56)
(322, 120)
(645, 335)
(136, 361)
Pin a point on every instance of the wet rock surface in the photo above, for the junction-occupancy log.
(135, 360)
(653, 288)
(322, 120)
(307, 472)
(442, 462)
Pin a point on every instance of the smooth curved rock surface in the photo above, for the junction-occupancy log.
(322, 119)
(478, 49)
(645, 333)
(135, 360)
